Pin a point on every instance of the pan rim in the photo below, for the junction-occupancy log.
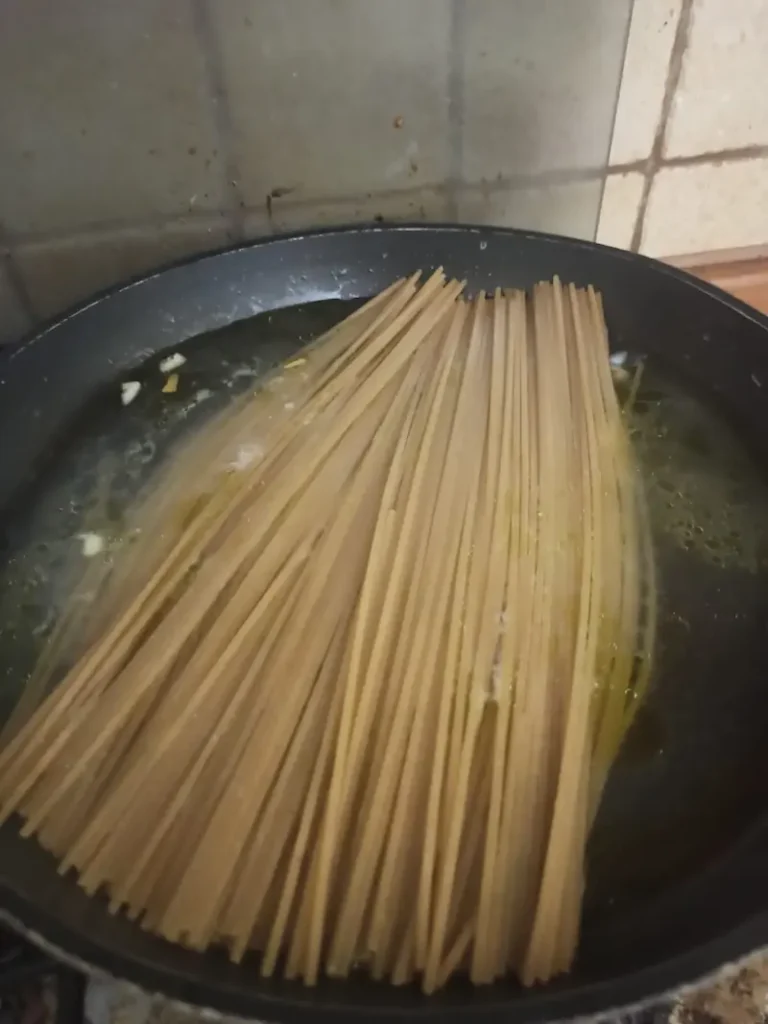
(601, 997)
(35, 335)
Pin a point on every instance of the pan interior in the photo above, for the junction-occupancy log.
(687, 782)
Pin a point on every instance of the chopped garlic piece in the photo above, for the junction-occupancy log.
(93, 544)
(172, 362)
(129, 390)
(171, 385)
(246, 454)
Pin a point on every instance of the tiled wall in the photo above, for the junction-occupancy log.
(135, 133)
(689, 157)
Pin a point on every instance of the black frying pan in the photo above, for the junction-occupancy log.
(678, 862)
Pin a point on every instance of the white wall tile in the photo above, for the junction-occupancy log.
(618, 212)
(13, 320)
(722, 100)
(643, 81)
(567, 209)
(541, 78)
(105, 114)
(60, 273)
(343, 99)
(707, 206)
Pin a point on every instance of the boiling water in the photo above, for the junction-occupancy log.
(681, 786)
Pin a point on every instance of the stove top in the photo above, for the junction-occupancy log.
(34, 989)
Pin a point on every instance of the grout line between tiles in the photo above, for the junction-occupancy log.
(116, 226)
(222, 115)
(719, 156)
(190, 218)
(12, 240)
(456, 46)
(654, 161)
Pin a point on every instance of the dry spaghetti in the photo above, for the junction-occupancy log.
(350, 692)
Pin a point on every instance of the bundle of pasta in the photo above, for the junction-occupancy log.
(350, 701)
